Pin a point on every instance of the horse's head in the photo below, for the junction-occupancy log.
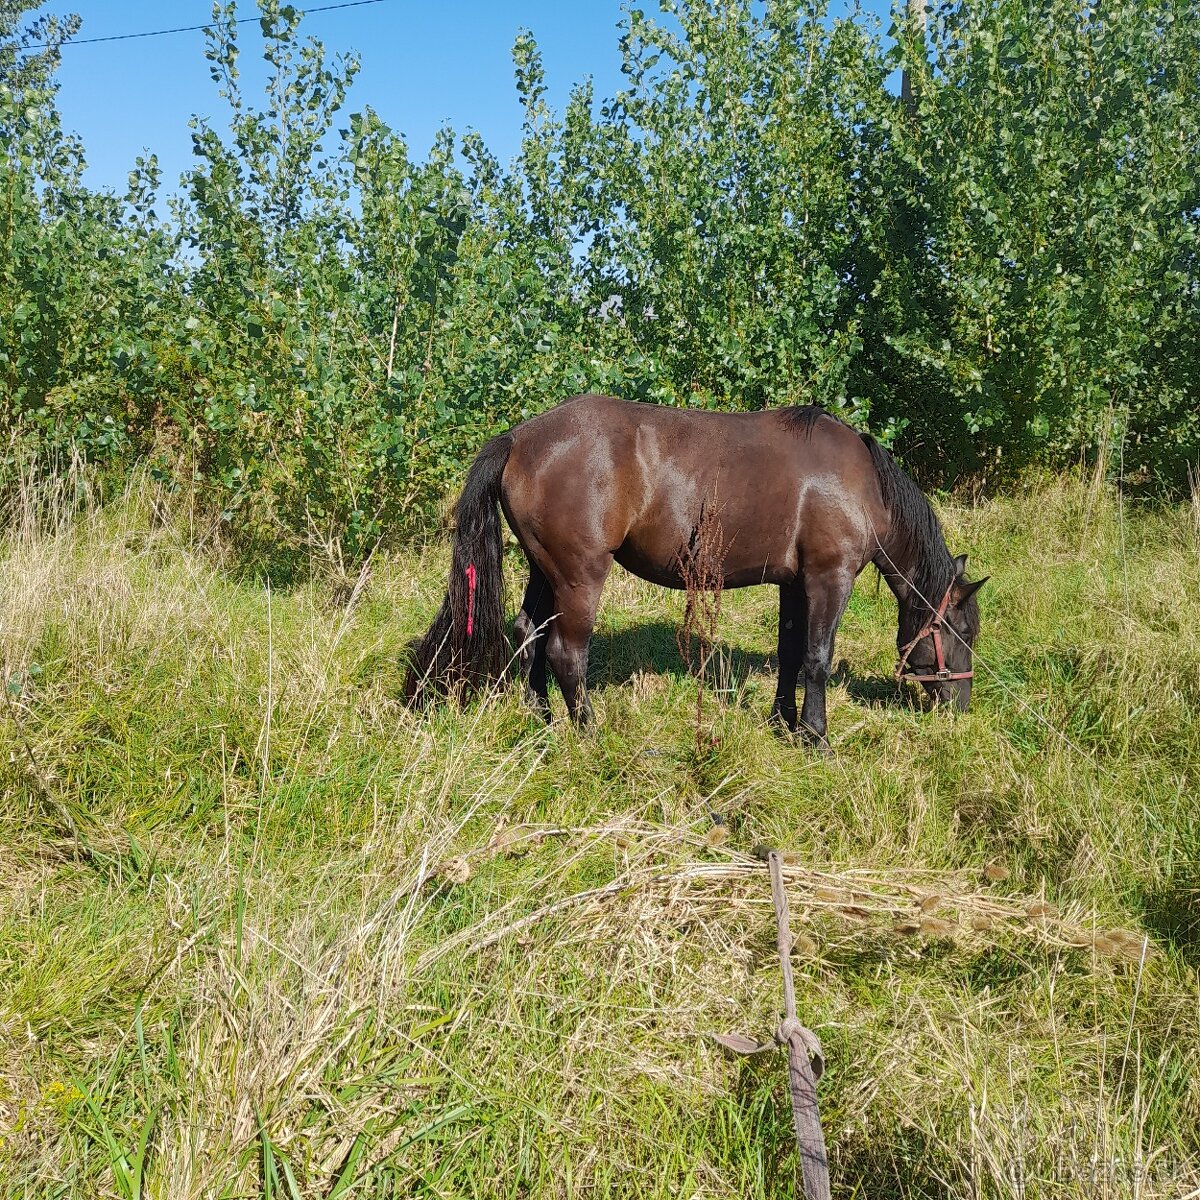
(936, 636)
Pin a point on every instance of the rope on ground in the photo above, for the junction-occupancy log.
(806, 1060)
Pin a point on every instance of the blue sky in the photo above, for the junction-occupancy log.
(423, 65)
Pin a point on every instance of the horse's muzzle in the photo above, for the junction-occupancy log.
(956, 692)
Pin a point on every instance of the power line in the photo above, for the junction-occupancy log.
(125, 37)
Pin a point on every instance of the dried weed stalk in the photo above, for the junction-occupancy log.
(1194, 482)
(701, 566)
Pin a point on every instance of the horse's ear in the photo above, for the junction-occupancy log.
(964, 591)
(960, 566)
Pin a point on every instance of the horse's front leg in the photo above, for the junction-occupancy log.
(792, 631)
(827, 594)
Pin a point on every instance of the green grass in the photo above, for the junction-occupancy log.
(266, 932)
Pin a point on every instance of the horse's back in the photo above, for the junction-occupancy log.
(599, 475)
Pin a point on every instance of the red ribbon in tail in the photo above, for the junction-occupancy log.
(470, 574)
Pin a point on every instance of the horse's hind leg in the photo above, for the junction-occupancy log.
(531, 630)
(793, 619)
(570, 632)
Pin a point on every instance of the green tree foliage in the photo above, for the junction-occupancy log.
(84, 278)
(1035, 270)
(728, 216)
(1001, 273)
(269, 407)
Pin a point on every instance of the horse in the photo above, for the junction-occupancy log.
(803, 502)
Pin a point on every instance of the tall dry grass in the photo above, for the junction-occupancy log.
(264, 931)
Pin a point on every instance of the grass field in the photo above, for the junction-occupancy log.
(265, 932)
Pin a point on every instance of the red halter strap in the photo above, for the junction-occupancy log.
(932, 626)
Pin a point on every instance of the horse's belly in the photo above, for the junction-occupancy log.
(739, 566)
(656, 569)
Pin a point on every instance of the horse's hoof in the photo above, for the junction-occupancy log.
(783, 725)
(816, 742)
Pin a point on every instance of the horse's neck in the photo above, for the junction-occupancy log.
(897, 563)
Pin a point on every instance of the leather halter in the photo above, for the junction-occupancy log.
(932, 626)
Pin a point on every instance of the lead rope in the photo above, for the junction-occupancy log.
(806, 1060)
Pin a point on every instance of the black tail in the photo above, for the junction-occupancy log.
(465, 646)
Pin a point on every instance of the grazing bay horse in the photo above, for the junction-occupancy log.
(803, 502)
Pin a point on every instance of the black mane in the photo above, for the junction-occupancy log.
(917, 532)
(801, 418)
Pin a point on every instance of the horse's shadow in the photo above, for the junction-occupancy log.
(616, 657)
(1172, 911)
(651, 647)
(873, 691)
